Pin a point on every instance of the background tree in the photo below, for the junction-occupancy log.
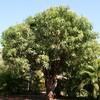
(91, 79)
(88, 56)
(17, 51)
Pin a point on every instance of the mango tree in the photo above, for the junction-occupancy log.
(60, 42)
(53, 41)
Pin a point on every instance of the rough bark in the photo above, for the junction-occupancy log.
(50, 84)
(51, 78)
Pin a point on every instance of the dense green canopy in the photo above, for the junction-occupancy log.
(56, 41)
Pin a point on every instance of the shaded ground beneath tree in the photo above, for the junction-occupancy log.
(40, 97)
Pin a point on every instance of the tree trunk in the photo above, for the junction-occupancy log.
(51, 78)
(50, 84)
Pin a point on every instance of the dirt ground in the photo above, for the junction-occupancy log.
(38, 97)
(31, 97)
(24, 97)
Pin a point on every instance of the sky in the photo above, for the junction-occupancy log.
(13, 12)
